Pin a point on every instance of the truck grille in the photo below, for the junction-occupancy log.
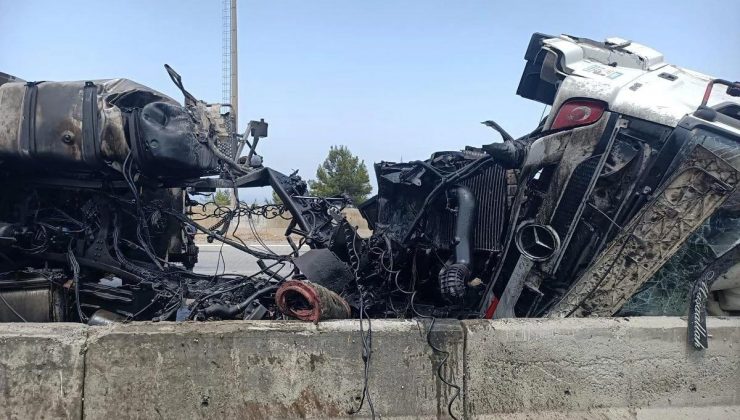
(489, 188)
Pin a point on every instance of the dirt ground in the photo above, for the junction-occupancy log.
(269, 230)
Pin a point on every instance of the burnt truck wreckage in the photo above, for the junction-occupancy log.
(622, 200)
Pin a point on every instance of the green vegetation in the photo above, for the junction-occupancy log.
(342, 173)
(222, 198)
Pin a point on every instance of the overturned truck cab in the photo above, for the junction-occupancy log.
(622, 201)
(633, 178)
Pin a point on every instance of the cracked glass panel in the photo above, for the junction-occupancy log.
(667, 292)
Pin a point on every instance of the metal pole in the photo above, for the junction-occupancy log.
(234, 100)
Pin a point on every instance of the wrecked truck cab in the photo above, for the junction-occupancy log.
(622, 201)
(627, 166)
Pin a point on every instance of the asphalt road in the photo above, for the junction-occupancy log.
(214, 257)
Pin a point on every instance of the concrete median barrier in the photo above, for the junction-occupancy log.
(41, 370)
(514, 369)
(255, 370)
(613, 367)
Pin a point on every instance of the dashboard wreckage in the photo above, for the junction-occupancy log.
(622, 201)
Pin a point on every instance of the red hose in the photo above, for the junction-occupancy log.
(310, 302)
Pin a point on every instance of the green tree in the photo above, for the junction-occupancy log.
(222, 198)
(275, 199)
(342, 173)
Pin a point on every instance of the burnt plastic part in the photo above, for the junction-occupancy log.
(531, 85)
(509, 154)
(258, 128)
(322, 266)
(310, 302)
(230, 311)
(452, 280)
(90, 116)
(165, 143)
(369, 210)
(734, 90)
(177, 80)
(410, 195)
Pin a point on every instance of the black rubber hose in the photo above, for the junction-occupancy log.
(464, 225)
(509, 154)
(453, 278)
(230, 311)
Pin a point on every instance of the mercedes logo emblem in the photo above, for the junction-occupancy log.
(537, 242)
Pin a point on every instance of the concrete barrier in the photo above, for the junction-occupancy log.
(614, 367)
(255, 370)
(516, 369)
(41, 370)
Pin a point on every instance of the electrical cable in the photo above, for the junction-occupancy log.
(445, 356)
(365, 338)
(76, 279)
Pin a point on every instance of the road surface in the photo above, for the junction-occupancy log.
(227, 259)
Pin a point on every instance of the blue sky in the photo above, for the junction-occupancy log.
(389, 79)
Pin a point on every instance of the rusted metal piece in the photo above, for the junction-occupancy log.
(310, 302)
(700, 185)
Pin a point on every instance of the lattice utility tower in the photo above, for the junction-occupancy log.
(229, 61)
